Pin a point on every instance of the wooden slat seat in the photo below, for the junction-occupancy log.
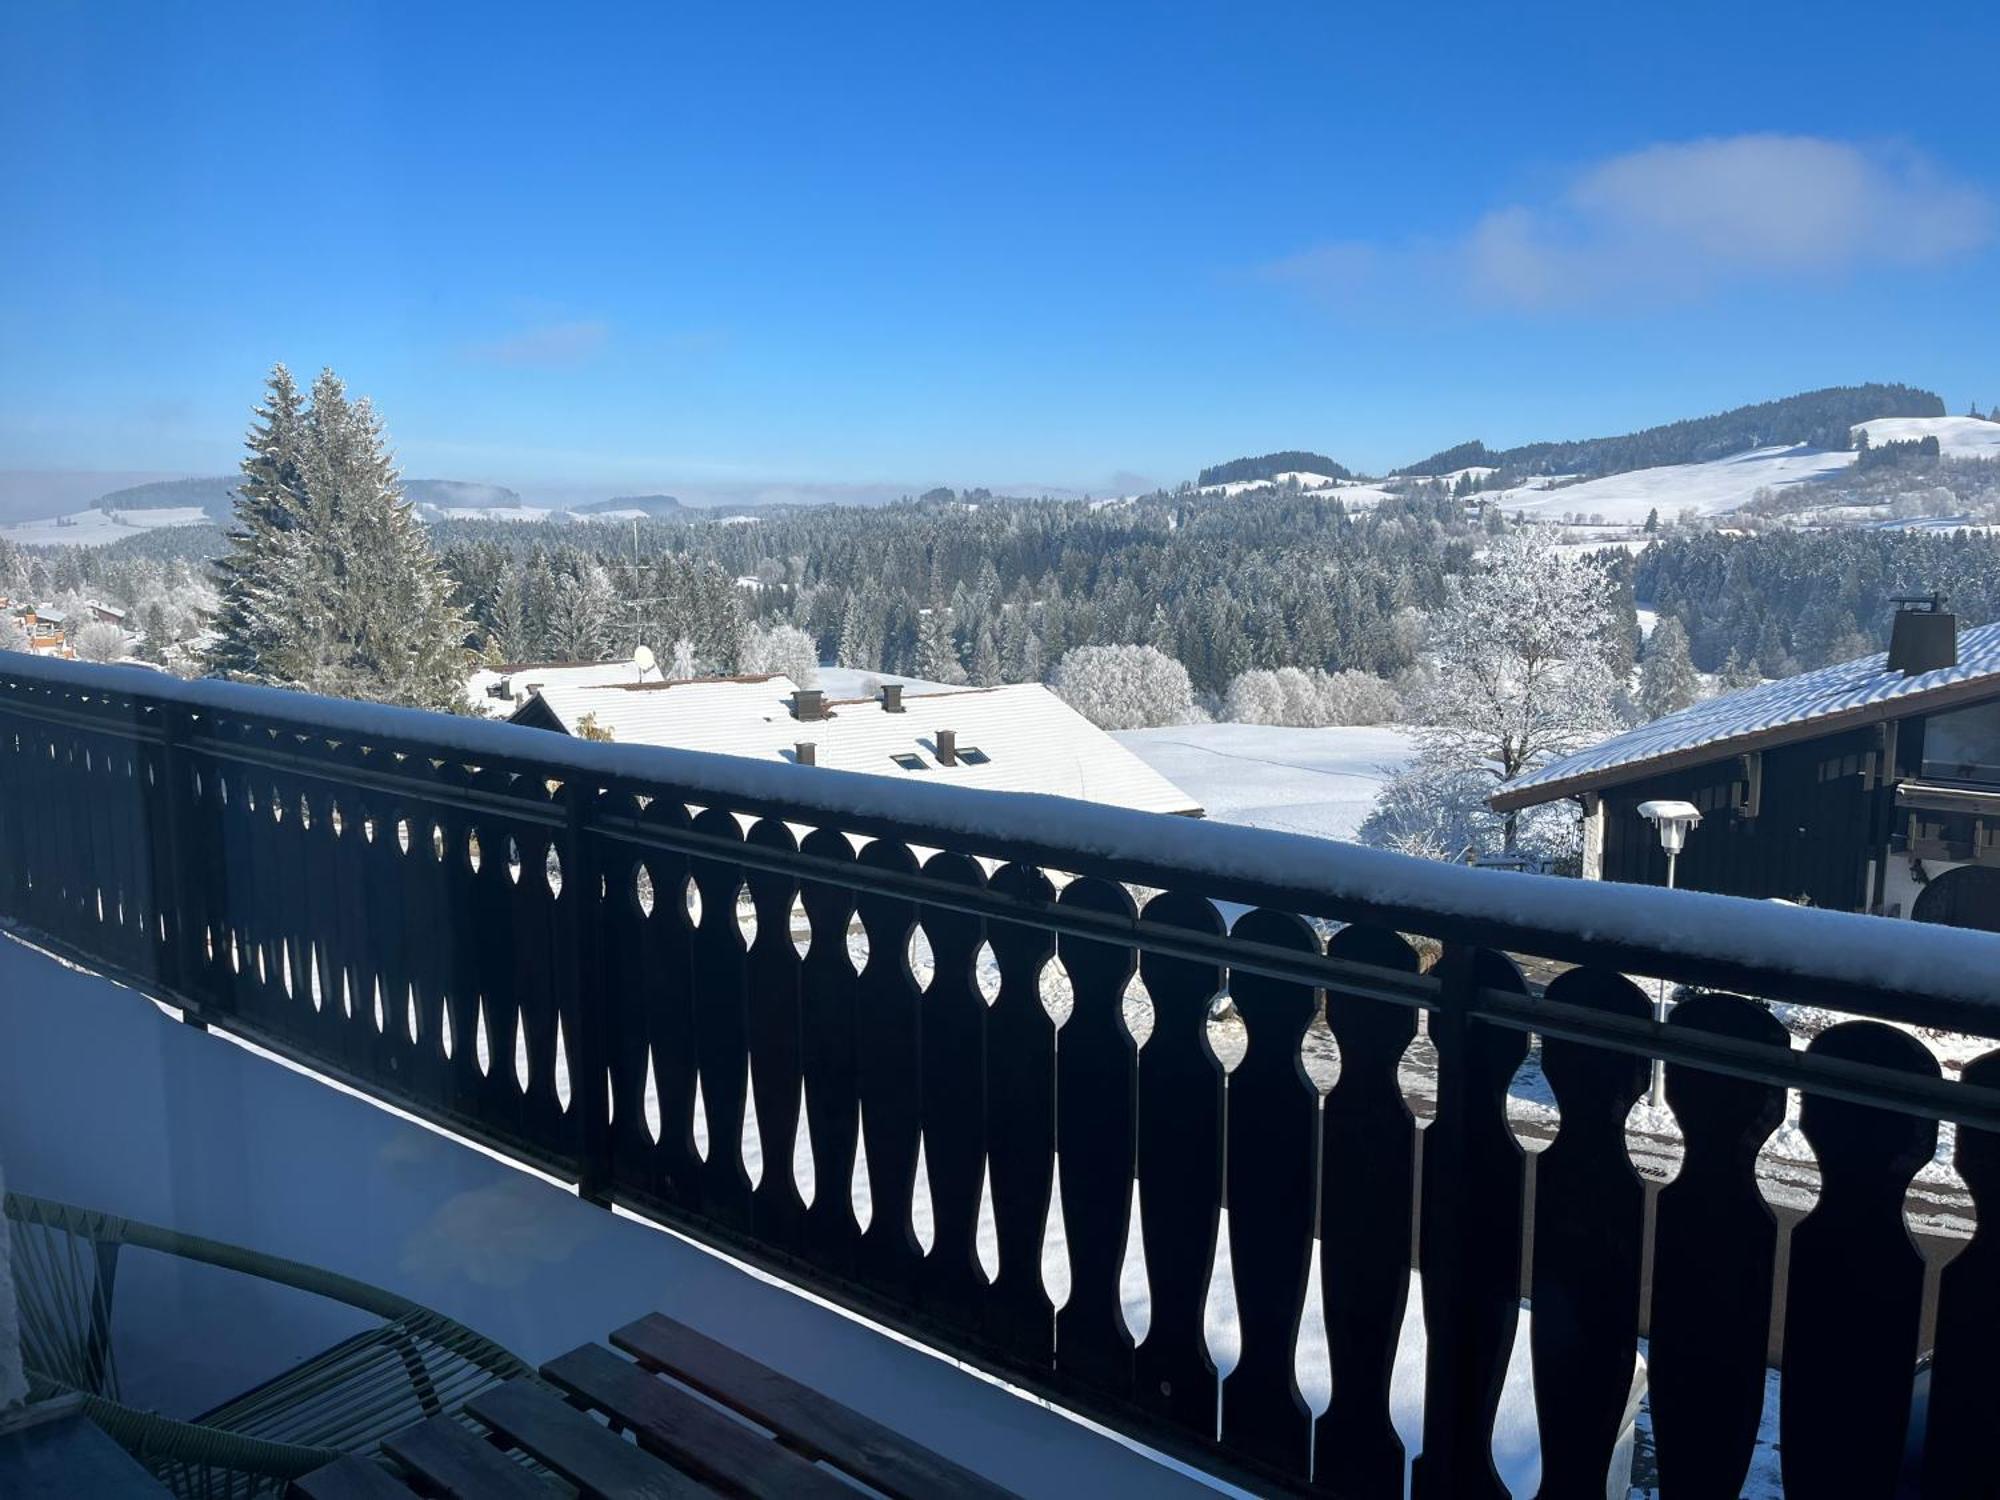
(811, 1424)
(348, 1478)
(586, 1453)
(692, 1434)
(458, 1465)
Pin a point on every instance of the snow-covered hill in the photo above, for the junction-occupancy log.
(100, 528)
(1708, 489)
(1958, 437)
(1726, 484)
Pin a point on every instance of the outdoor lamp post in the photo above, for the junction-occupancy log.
(1673, 820)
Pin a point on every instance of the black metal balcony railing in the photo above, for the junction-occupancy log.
(408, 902)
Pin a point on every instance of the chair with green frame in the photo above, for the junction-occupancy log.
(410, 1365)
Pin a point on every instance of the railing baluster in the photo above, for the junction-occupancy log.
(1273, 1156)
(722, 1027)
(583, 910)
(1855, 1282)
(1180, 1160)
(832, 1078)
(1096, 1110)
(954, 1099)
(1714, 1246)
(889, 1063)
(665, 995)
(1367, 1192)
(1965, 1380)
(777, 1213)
(1469, 1233)
(1021, 1125)
(1590, 1209)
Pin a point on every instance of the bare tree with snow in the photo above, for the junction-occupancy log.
(1520, 675)
(99, 641)
(1124, 687)
(784, 649)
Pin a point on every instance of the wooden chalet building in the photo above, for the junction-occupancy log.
(1870, 786)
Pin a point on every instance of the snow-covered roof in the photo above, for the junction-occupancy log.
(520, 680)
(1020, 738)
(1792, 708)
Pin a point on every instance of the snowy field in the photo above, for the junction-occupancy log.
(1710, 489)
(1317, 781)
(100, 528)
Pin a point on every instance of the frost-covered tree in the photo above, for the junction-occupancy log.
(1310, 699)
(937, 653)
(784, 649)
(12, 636)
(100, 640)
(1519, 672)
(333, 586)
(265, 558)
(1124, 687)
(580, 611)
(985, 657)
(1738, 674)
(1255, 698)
(1667, 679)
(1020, 647)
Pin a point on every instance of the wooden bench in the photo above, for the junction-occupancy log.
(703, 1420)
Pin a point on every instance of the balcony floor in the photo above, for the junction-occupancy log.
(107, 1102)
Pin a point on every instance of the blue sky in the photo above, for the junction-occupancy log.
(698, 247)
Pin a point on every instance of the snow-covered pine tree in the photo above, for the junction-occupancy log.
(985, 657)
(1738, 674)
(345, 595)
(937, 653)
(252, 616)
(1667, 680)
(860, 634)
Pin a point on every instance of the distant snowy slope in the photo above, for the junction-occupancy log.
(100, 528)
(1958, 437)
(1314, 781)
(1710, 489)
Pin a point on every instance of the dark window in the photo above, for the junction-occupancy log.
(909, 761)
(972, 755)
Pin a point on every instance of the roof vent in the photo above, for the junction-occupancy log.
(892, 697)
(947, 747)
(808, 703)
(1923, 636)
(805, 753)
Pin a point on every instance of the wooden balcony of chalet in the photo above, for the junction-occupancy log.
(599, 961)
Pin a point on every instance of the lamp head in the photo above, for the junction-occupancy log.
(1673, 819)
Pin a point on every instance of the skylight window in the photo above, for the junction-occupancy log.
(910, 761)
(972, 755)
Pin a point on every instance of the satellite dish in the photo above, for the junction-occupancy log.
(643, 660)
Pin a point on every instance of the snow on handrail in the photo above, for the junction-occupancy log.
(1923, 973)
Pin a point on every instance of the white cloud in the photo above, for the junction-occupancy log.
(1672, 221)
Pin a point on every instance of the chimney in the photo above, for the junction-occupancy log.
(1923, 636)
(808, 703)
(892, 697)
(947, 747)
(805, 753)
